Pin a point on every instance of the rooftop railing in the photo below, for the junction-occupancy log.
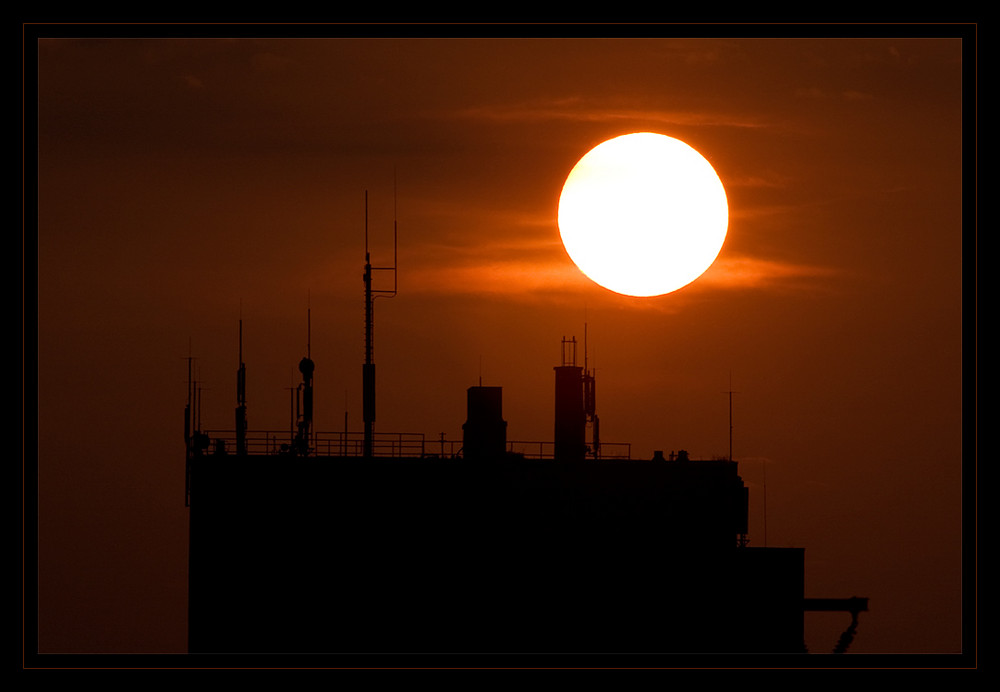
(410, 445)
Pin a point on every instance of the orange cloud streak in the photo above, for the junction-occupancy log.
(520, 278)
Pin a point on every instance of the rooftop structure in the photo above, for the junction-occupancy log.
(367, 542)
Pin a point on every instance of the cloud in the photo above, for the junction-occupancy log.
(579, 110)
(540, 273)
(751, 272)
(512, 278)
(818, 94)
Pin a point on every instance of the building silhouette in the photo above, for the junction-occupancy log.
(307, 542)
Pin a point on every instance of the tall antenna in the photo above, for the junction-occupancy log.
(368, 369)
(569, 351)
(188, 439)
(306, 367)
(343, 440)
(590, 399)
(730, 393)
(764, 466)
(198, 387)
(189, 406)
(241, 397)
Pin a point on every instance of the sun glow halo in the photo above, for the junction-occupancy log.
(643, 214)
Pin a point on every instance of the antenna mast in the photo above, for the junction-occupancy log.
(189, 406)
(368, 369)
(241, 400)
(764, 467)
(306, 367)
(188, 439)
(730, 393)
(590, 399)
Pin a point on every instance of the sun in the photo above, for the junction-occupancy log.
(643, 214)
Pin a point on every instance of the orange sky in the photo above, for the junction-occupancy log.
(184, 182)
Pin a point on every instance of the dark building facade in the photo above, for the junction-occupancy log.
(309, 543)
(348, 546)
(484, 551)
(334, 554)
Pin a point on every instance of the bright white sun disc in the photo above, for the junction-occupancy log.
(643, 214)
